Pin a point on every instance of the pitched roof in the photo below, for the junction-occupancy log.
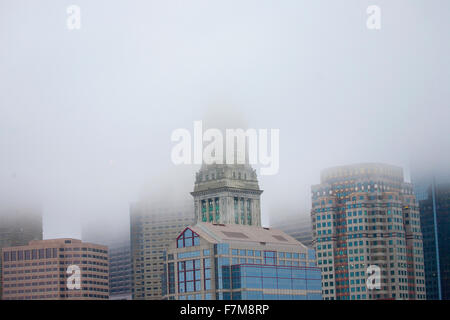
(217, 233)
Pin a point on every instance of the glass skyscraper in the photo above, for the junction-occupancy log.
(435, 220)
(120, 271)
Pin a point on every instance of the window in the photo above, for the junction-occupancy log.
(188, 239)
(210, 210)
(242, 211)
(236, 213)
(223, 248)
(249, 212)
(207, 273)
(171, 274)
(189, 254)
(217, 208)
(270, 257)
(204, 210)
(189, 276)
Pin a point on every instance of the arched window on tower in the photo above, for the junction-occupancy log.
(249, 212)
(236, 210)
(242, 211)
(210, 210)
(217, 207)
(204, 210)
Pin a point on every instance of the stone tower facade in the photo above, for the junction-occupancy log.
(227, 194)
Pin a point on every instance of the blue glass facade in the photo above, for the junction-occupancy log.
(259, 281)
(438, 202)
(248, 272)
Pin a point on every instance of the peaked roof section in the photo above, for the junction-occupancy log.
(217, 233)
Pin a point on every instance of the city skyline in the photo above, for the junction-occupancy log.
(229, 149)
(121, 225)
(387, 208)
(87, 115)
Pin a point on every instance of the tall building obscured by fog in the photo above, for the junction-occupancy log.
(17, 228)
(367, 215)
(227, 194)
(116, 237)
(298, 227)
(153, 228)
(435, 223)
(227, 255)
(120, 271)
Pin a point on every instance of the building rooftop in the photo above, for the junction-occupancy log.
(217, 233)
(59, 241)
(215, 176)
(362, 170)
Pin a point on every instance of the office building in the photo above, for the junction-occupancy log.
(223, 262)
(435, 223)
(18, 227)
(115, 235)
(120, 271)
(365, 217)
(153, 227)
(47, 269)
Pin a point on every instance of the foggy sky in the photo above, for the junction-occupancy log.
(86, 115)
